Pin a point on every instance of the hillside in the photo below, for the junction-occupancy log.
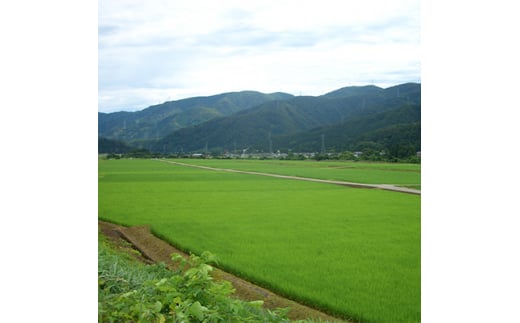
(375, 131)
(348, 114)
(154, 122)
(108, 146)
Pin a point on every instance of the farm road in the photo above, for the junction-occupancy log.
(343, 183)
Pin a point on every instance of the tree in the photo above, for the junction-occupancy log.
(347, 155)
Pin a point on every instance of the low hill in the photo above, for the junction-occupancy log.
(108, 146)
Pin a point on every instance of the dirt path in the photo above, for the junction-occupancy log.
(157, 250)
(343, 183)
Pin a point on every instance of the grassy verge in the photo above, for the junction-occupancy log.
(129, 291)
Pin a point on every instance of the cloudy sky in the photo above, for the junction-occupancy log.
(160, 50)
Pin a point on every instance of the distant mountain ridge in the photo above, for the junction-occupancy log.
(350, 118)
(157, 121)
(354, 91)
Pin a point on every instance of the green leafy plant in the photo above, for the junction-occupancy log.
(129, 292)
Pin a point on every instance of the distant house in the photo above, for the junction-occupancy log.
(358, 153)
(419, 154)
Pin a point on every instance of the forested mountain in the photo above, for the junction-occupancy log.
(346, 117)
(356, 118)
(108, 146)
(157, 121)
(379, 131)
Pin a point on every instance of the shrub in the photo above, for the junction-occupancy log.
(131, 292)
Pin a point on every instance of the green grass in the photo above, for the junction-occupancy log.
(358, 172)
(129, 291)
(354, 252)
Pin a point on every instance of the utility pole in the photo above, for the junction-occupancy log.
(270, 144)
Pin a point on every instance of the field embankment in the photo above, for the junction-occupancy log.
(154, 250)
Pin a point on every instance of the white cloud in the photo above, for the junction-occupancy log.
(135, 97)
(189, 48)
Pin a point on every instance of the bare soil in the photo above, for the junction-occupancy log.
(154, 250)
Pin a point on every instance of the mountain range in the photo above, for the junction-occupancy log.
(159, 120)
(351, 118)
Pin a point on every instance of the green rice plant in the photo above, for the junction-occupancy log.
(353, 252)
(357, 172)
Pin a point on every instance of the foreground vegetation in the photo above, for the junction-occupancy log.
(129, 291)
(353, 252)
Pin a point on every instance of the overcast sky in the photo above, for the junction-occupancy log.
(160, 50)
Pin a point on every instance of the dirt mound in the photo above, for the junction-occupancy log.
(156, 250)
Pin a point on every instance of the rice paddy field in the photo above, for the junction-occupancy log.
(350, 251)
(408, 175)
